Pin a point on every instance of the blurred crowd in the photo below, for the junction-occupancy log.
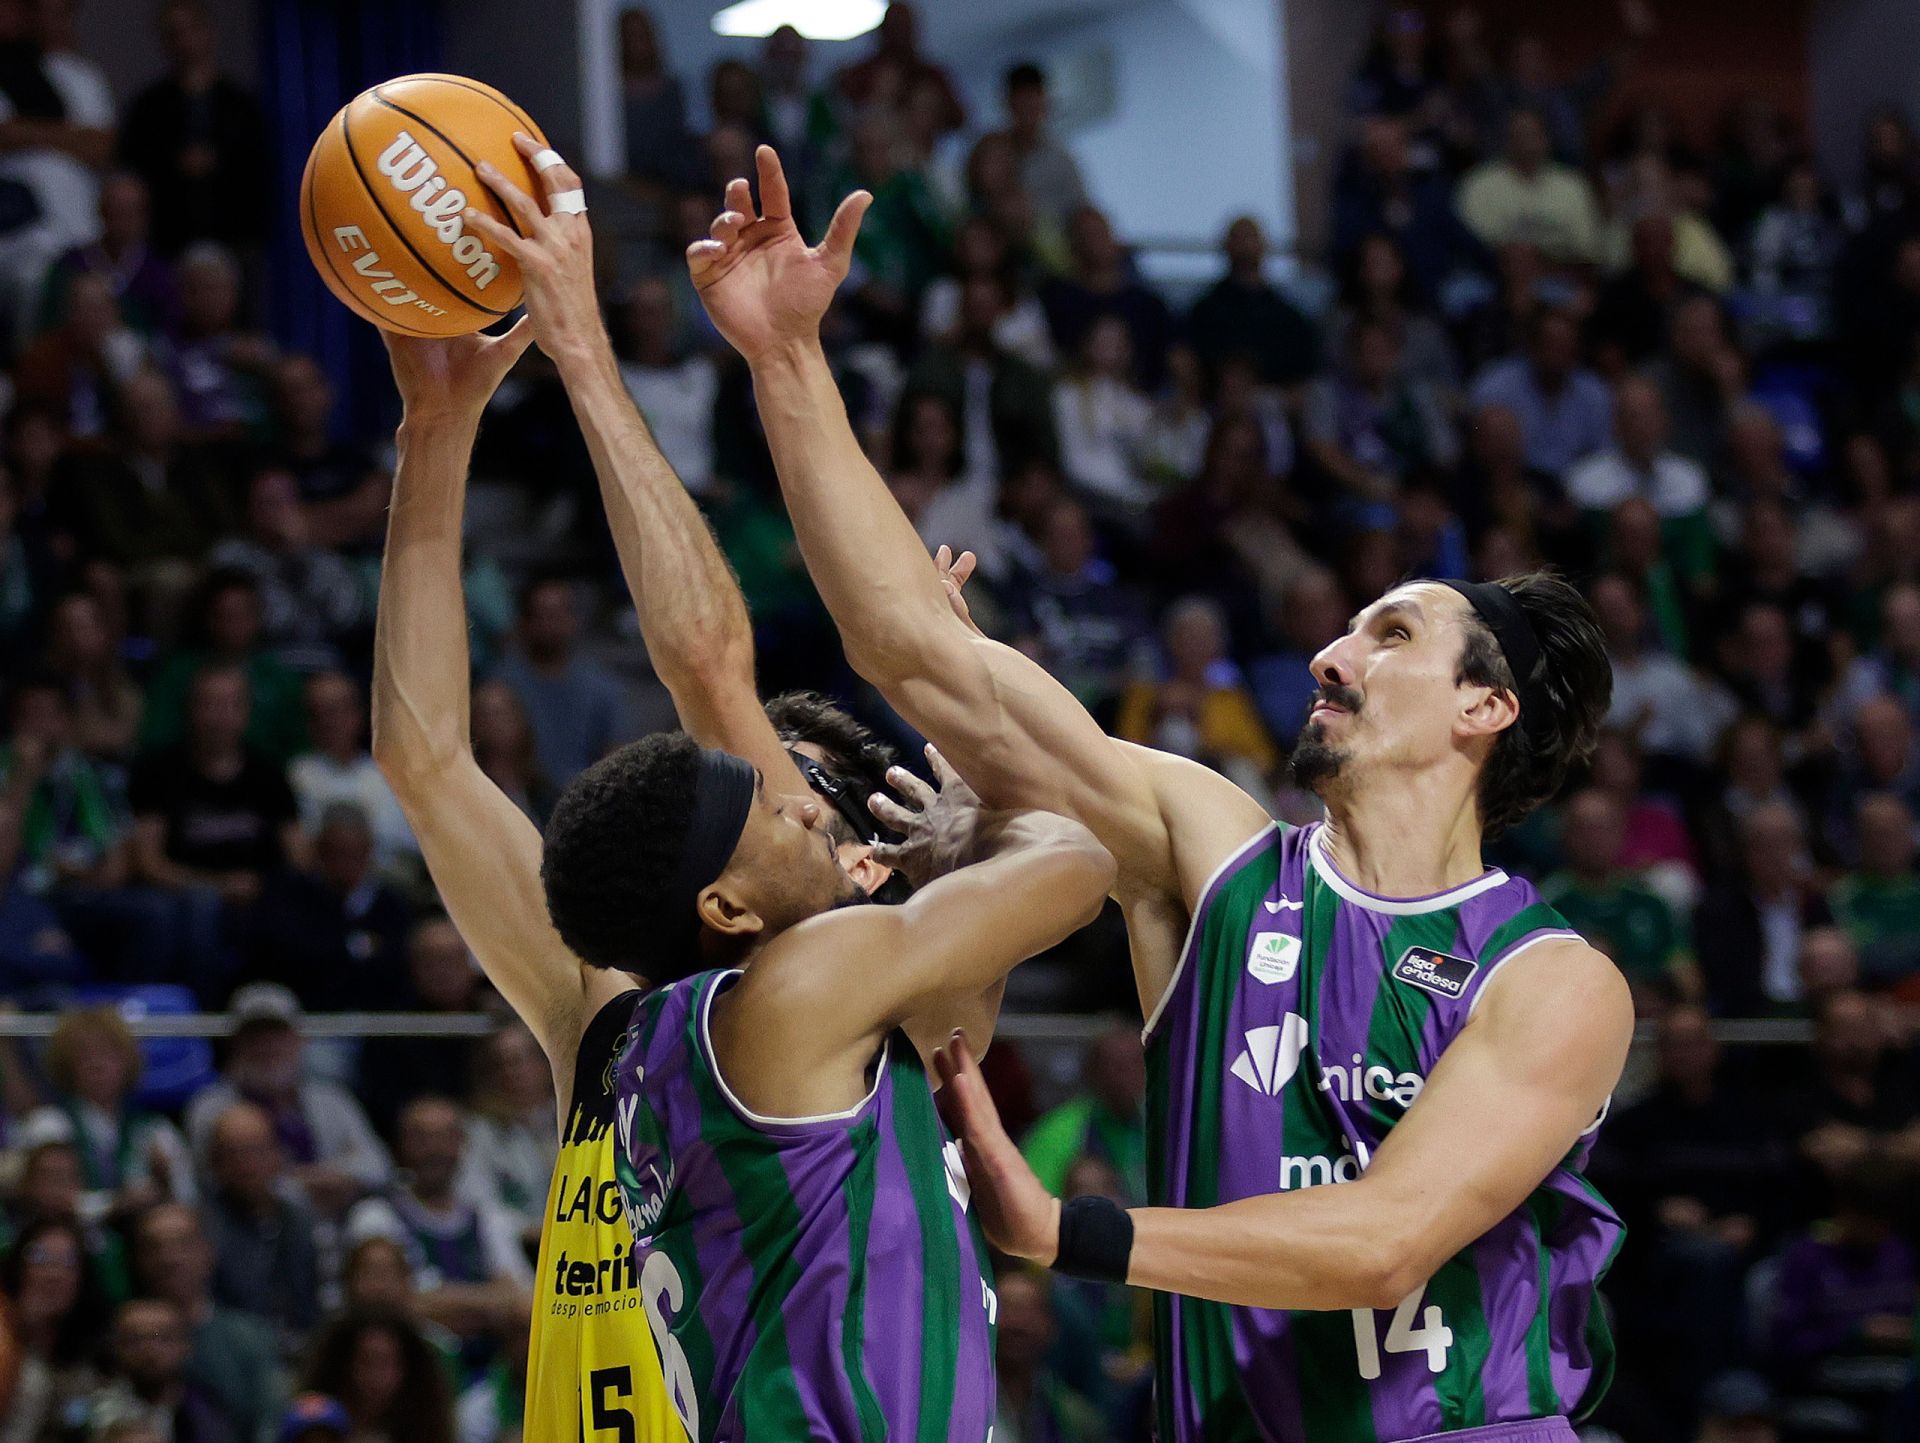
(1557, 323)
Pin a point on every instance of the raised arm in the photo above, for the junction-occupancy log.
(692, 616)
(483, 853)
(795, 1038)
(1014, 732)
(1505, 1104)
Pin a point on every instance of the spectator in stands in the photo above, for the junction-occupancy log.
(1565, 410)
(1398, 74)
(334, 932)
(1033, 1400)
(1047, 168)
(199, 140)
(1847, 1290)
(577, 706)
(386, 1375)
(63, 841)
(1701, 377)
(1668, 710)
(1105, 1120)
(52, 1315)
(981, 249)
(231, 1356)
(1829, 964)
(1699, 1172)
(441, 977)
(212, 818)
(491, 1409)
(1634, 311)
(1795, 247)
(1496, 485)
(1004, 404)
(1892, 668)
(1640, 464)
(1074, 615)
(221, 369)
(1527, 195)
(149, 1348)
(1313, 611)
(1378, 287)
(1748, 931)
(1103, 419)
(58, 113)
(1857, 1094)
(1377, 190)
(1372, 428)
(674, 389)
(152, 497)
(312, 603)
(503, 745)
(344, 491)
(1765, 571)
(1757, 657)
(1199, 707)
(510, 1142)
(314, 1417)
(341, 769)
(799, 115)
(143, 282)
(229, 635)
(1244, 314)
(129, 1158)
(266, 1259)
(659, 145)
(1611, 909)
(105, 700)
(1103, 282)
(330, 1153)
(1877, 903)
(76, 368)
(465, 1252)
(896, 67)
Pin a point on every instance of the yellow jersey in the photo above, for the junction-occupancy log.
(593, 1373)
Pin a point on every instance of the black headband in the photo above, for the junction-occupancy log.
(722, 797)
(1519, 643)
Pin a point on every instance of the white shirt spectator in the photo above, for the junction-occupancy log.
(319, 782)
(342, 1136)
(508, 1165)
(403, 1219)
(145, 1150)
(1103, 428)
(1674, 485)
(1671, 710)
(1021, 330)
(677, 401)
(68, 191)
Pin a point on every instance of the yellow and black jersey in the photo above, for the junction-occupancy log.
(593, 1372)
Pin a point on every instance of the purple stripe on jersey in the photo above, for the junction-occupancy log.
(812, 1313)
(1571, 1270)
(895, 1342)
(1508, 1261)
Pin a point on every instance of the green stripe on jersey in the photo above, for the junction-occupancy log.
(1543, 1400)
(1455, 1290)
(861, 1191)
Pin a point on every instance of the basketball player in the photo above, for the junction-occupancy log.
(665, 860)
(1358, 1002)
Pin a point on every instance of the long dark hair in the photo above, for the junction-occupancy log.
(422, 1410)
(81, 1330)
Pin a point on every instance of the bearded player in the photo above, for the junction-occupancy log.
(1359, 1002)
(593, 1370)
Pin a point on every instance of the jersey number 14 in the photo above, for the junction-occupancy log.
(1433, 1337)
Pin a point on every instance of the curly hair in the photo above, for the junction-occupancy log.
(851, 752)
(612, 848)
(422, 1410)
(1529, 764)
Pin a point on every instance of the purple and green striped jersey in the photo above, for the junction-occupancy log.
(816, 1278)
(1301, 1024)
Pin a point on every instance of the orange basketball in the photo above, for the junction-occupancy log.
(381, 203)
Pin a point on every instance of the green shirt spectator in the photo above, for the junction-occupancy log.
(1606, 904)
(1105, 1121)
(1878, 903)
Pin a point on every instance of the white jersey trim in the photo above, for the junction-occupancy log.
(1392, 906)
(1193, 926)
(1557, 935)
(758, 1119)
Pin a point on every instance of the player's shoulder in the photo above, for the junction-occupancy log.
(1557, 982)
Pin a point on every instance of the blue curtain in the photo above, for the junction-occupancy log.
(316, 56)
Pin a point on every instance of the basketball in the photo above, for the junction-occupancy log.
(382, 197)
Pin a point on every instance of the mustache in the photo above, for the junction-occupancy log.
(1344, 697)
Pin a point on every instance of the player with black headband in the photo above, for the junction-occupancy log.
(753, 1187)
(1375, 1064)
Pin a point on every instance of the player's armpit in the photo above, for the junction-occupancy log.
(1506, 1103)
(796, 1034)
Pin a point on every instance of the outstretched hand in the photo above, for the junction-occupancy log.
(939, 831)
(453, 377)
(552, 245)
(1020, 1216)
(758, 278)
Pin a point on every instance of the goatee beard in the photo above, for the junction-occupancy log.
(1315, 761)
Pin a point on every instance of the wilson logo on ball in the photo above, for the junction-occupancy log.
(416, 175)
